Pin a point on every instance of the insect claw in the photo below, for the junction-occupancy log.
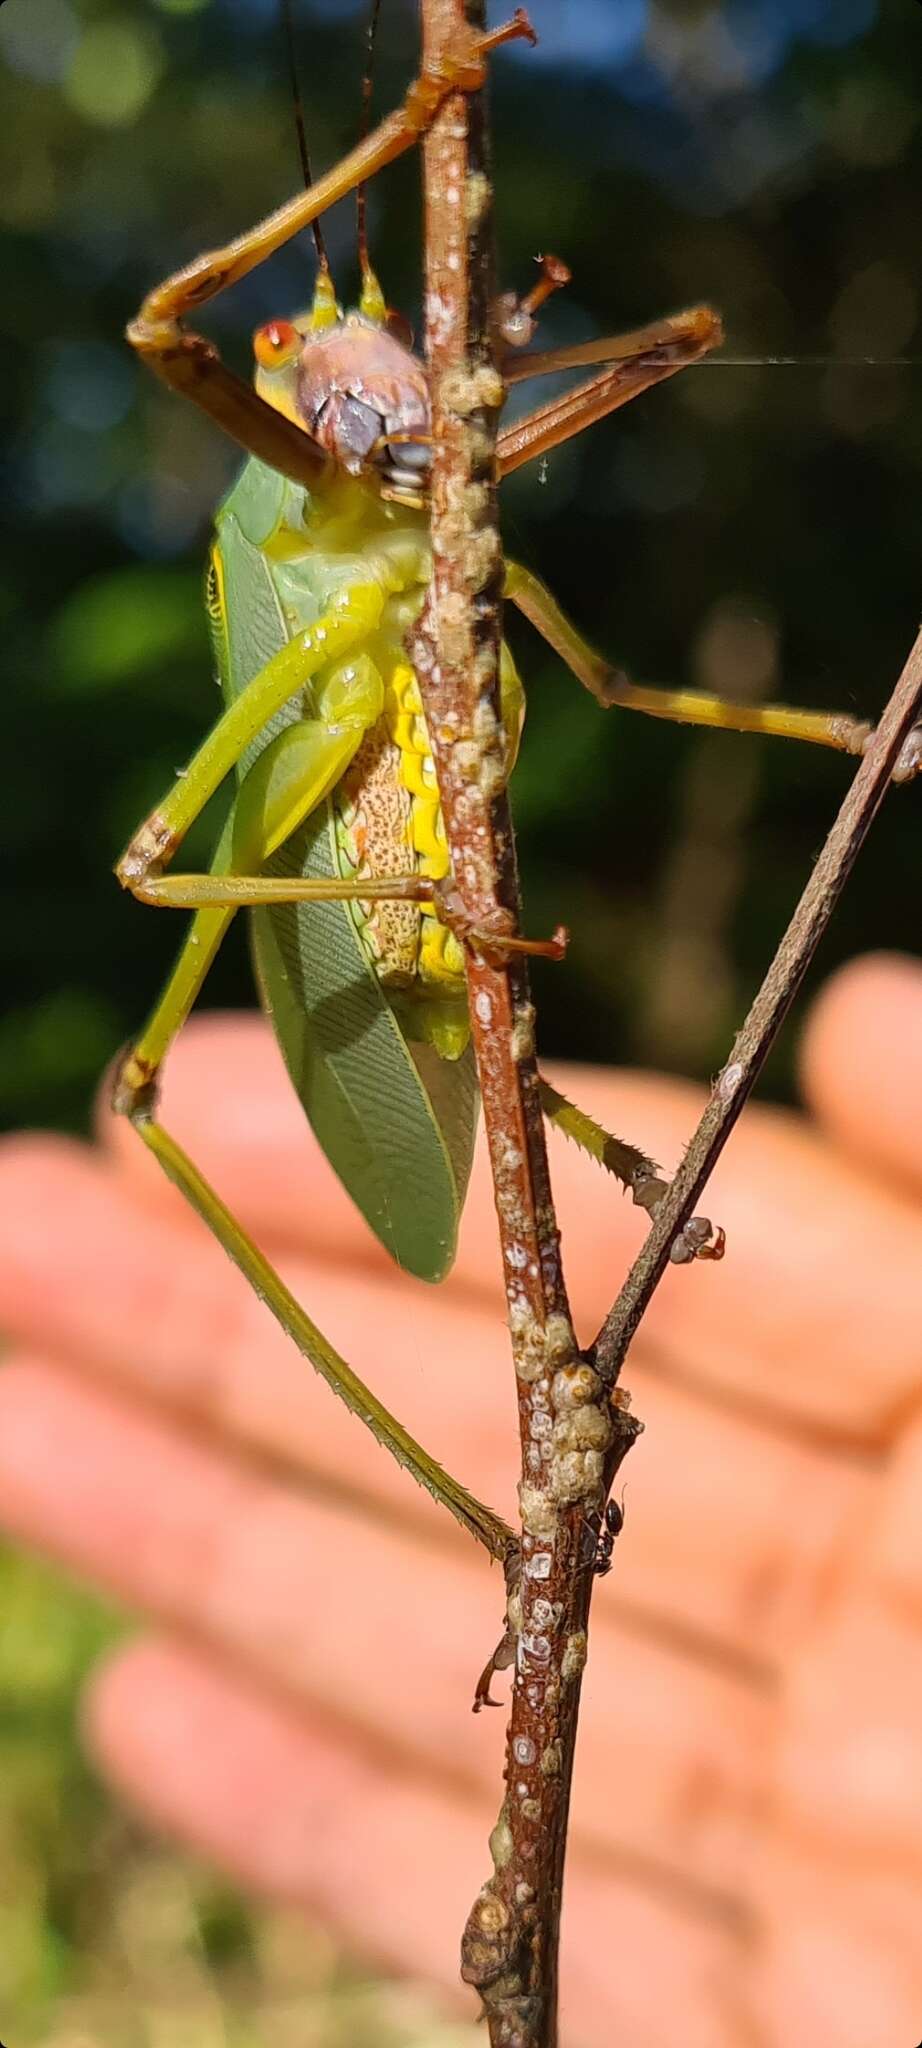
(715, 1250)
(503, 1656)
(699, 1239)
(491, 935)
(519, 29)
(514, 318)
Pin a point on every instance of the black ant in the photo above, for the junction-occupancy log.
(605, 1531)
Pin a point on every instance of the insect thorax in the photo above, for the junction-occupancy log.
(385, 810)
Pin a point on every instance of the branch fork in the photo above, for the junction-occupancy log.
(574, 1419)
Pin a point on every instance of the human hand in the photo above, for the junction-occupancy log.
(746, 1845)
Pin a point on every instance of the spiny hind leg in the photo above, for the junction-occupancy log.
(134, 1096)
(640, 1175)
(610, 686)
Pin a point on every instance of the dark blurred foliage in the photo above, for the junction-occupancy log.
(756, 529)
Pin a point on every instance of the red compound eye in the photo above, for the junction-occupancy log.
(275, 343)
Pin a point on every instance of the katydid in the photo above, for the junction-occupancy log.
(334, 838)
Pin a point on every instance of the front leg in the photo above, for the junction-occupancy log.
(189, 363)
(352, 617)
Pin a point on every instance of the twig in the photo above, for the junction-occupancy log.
(510, 1943)
(753, 1043)
(574, 1424)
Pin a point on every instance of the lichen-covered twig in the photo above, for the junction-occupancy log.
(510, 1943)
(575, 1426)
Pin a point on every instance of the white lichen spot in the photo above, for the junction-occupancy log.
(545, 1614)
(573, 1386)
(576, 1476)
(466, 387)
(485, 722)
(561, 1342)
(730, 1080)
(475, 503)
(523, 1749)
(501, 1843)
(574, 1656)
(524, 1893)
(538, 1512)
(523, 1031)
(539, 1566)
(466, 759)
(492, 1913)
(516, 1257)
(476, 198)
(440, 319)
(582, 1429)
(453, 608)
(541, 1423)
(492, 776)
(528, 1356)
(536, 1646)
(482, 553)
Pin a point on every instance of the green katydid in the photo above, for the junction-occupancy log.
(335, 839)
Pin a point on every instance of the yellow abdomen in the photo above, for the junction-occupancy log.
(389, 821)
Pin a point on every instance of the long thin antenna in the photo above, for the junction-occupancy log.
(298, 105)
(364, 124)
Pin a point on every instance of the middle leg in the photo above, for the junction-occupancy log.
(611, 686)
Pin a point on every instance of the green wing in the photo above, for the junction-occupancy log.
(396, 1122)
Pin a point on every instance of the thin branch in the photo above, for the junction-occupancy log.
(753, 1043)
(574, 1423)
(510, 1944)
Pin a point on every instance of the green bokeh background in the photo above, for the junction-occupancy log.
(757, 529)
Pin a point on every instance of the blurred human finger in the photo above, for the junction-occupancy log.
(861, 1060)
(359, 1617)
(287, 1805)
(791, 1318)
(162, 1313)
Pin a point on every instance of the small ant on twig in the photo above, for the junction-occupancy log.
(605, 1531)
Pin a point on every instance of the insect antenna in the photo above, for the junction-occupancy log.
(372, 302)
(287, 8)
